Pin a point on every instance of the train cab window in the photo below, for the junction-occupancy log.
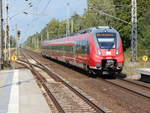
(106, 41)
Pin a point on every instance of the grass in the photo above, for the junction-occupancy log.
(129, 67)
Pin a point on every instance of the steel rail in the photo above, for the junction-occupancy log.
(98, 109)
(132, 82)
(42, 81)
(115, 84)
(135, 92)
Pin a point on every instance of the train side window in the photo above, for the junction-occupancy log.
(87, 48)
(77, 45)
(83, 46)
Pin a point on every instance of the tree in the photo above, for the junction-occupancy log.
(94, 16)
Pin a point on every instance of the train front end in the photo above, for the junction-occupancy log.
(107, 54)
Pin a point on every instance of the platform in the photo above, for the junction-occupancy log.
(143, 71)
(19, 93)
(145, 74)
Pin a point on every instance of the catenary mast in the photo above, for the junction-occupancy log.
(134, 31)
(1, 36)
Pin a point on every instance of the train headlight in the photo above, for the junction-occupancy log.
(117, 52)
(99, 52)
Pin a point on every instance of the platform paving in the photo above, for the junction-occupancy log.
(19, 93)
(144, 71)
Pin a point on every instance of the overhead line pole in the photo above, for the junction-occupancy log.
(133, 25)
(7, 36)
(1, 36)
(72, 25)
(47, 34)
(7, 31)
(134, 31)
(68, 23)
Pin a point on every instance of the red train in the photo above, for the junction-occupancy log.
(95, 50)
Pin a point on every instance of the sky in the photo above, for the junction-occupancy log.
(40, 12)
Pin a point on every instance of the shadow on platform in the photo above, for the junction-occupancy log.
(19, 83)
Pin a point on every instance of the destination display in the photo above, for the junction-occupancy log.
(104, 34)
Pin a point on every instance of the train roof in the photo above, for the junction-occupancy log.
(92, 29)
(99, 29)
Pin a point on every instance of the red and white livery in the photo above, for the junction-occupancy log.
(96, 50)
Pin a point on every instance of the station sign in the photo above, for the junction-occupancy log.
(14, 58)
(145, 58)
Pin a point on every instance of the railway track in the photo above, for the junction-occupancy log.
(62, 106)
(41, 82)
(137, 83)
(133, 87)
(136, 89)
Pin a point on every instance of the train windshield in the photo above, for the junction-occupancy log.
(106, 41)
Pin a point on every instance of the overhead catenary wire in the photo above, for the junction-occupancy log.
(47, 5)
(103, 13)
(36, 18)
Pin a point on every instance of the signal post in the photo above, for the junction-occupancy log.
(18, 39)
